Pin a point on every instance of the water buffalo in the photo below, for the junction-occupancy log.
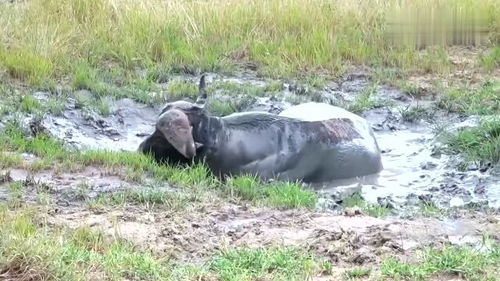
(312, 142)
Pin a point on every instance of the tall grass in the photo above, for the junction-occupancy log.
(45, 39)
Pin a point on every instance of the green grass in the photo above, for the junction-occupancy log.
(55, 105)
(277, 194)
(222, 106)
(374, 210)
(179, 88)
(261, 264)
(133, 166)
(109, 82)
(366, 100)
(40, 40)
(430, 209)
(237, 89)
(456, 261)
(479, 144)
(29, 104)
(414, 113)
(491, 60)
(29, 248)
(273, 86)
(357, 272)
(484, 101)
(104, 107)
(27, 65)
(8, 160)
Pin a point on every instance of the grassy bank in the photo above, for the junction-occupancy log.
(47, 40)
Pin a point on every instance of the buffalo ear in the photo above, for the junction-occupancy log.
(174, 125)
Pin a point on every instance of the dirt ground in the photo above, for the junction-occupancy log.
(349, 238)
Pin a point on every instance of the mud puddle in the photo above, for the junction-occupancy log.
(413, 171)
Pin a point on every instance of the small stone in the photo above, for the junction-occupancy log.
(386, 202)
(456, 202)
(472, 167)
(428, 165)
(480, 188)
(485, 168)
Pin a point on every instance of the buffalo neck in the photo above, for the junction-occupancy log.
(207, 129)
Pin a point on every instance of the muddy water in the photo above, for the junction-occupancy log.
(413, 173)
(412, 170)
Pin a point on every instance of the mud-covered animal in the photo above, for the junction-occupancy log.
(289, 146)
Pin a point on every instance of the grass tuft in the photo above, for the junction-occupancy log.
(179, 88)
(459, 261)
(357, 272)
(430, 209)
(10, 160)
(492, 59)
(479, 144)
(261, 264)
(276, 194)
(365, 100)
(483, 101)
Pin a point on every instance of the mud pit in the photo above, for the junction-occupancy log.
(413, 172)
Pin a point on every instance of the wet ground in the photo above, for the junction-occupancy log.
(414, 169)
(414, 172)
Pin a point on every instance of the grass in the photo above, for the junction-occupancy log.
(430, 209)
(277, 194)
(374, 210)
(30, 250)
(479, 144)
(264, 264)
(8, 160)
(180, 88)
(357, 272)
(365, 100)
(41, 40)
(483, 101)
(103, 106)
(456, 261)
(491, 60)
(226, 105)
(135, 167)
(414, 113)
(239, 89)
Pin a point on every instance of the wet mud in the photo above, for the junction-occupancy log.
(414, 170)
(195, 235)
